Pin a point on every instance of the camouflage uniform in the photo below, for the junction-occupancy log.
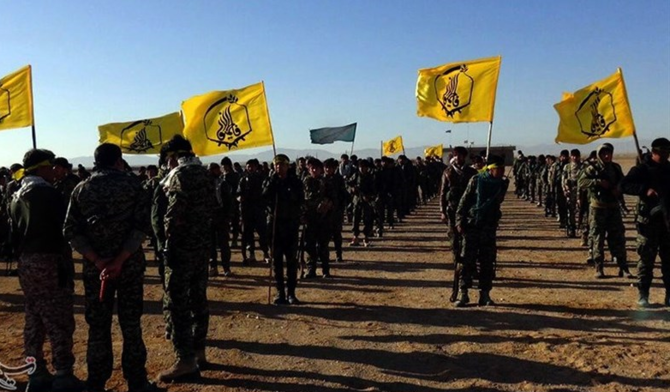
(252, 212)
(559, 195)
(109, 213)
(45, 274)
(653, 221)
(454, 182)
(66, 185)
(570, 177)
(221, 225)
(363, 189)
(285, 198)
(191, 202)
(319, 216)
(605, 218)
(478, 214)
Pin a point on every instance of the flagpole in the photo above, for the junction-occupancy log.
(381, 149)
(488, 141)
(32, 106)
(274, 216)
(352, 147)
(625, 93)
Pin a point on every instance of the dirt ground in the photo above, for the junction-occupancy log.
(384, 322)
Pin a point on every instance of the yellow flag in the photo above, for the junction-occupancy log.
(600, 110)
(434, 151)
(459, 92)
(16, 99)
(220, 121)
(393, 146)
(142, 136)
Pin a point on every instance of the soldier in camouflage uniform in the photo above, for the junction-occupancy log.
(532, 178)
(559, 195)
(222, 215)
(188, 218)
(252, 212)
(477, 220)
(516, 173)
(570, 177)
(539, 170)
(363, 189)
(455, 179)
(583, 213)
(66, 181)
(46, 274)
(549, 206)
(336, 182)
(602, 180)
(283, 193)
(650, 181)
(106, 223)
(319, 215)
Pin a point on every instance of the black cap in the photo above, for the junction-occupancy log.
(660, 144)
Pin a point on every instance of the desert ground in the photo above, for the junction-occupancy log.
(383, 322)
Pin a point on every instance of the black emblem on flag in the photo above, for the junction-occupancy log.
(232, 122)
(5, 103)
(144, 131)
(454, 89)
(392, 147)
(592, 121)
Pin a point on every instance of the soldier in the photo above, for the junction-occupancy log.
(335, 181)
(518, 182)
(549, 205)
(222, 215)
(66, 181)
(477, 220)
(363, 188)
(539, 170)
(561, 203)
(455, 179)
(284, 195)
(252, 212)
(319, 216)
(106, 223)
(232, 178)
(532, 177)
(602, 180)
(570, 177)
(650, 181)
(191, 202)
(583, 218)
(46, 274)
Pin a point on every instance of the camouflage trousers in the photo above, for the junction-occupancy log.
(364, 212)
(607, 223)
(128, 289)
(479, 250)
(653, 238)
(49, 308)
(185, 300)
(455, 238)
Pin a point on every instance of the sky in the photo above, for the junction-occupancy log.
(327, 63)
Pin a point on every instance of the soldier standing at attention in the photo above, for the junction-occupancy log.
(106, 223)
(477, 220)
(220, 222)
(191, 202)
(232, 178)
(650, 181)
(455, 179)
(336, 182)
(602, 181)
(319, 214)
(284, 195)
(561, 202)
(252, 211)
(363, 190)
(46, 274)
(570, 177)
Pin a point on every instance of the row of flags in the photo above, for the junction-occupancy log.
(219, 121)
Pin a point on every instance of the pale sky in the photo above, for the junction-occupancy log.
(326, 63)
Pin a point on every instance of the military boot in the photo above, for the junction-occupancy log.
(485, 298)
(600, 269)
(183, 370)
(463, 298)
(201, 359)
(643, 300)
(623, 269)
(585, 240)
(41, 380)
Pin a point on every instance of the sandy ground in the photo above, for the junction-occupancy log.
(384, 322)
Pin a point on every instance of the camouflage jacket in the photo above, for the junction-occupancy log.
(480, 205)
(320, 198)
(66, 186)
(191, 203)
(649, 175)
(591, 178)
(108, 213)
(454, 183)
(570, 178)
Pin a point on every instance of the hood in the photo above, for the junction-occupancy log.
(599, 149)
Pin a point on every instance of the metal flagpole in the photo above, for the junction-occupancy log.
(274, 216)
(32, 106)
(488, 142)
(352, 146)
(381, 148)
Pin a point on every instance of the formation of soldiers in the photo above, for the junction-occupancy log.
(194, 216)
(586, 196)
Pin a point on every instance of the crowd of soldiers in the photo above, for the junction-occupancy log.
(194, 216)
(586, 196)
